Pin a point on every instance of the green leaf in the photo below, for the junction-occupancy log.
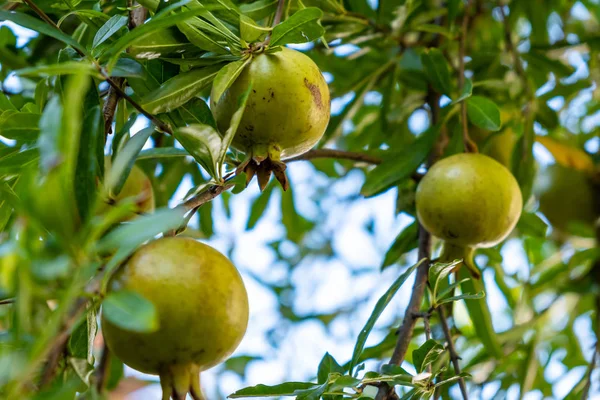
(130, 311)
(404, 242)
(259, 9)
(15, 161)
(142, 31)
(532, 225)
(426, 354)
(433, 28)
(480, 315)
(65, 68)
(196, 111)
(327, 366)
(259, 206)
(179, 89)
(128, 237)
(377, 311)
(109, 28)
(437, 70)
(40, 26)
(162, 152)
(19, 126)
(128, 68)
(123, 163)
(5, 103)
(236, 118)
(467, 91)
(91, 148)
(284, 389)
(203, 142)
(301, 27)
(399, 166)
(484, 113)
(464, 296)
(439, 271)
(250, 30)
(226, 76)
(539, 62)
(202, 34)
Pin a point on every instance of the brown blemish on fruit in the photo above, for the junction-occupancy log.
(314, 91)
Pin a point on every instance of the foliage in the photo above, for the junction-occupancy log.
(401, 98)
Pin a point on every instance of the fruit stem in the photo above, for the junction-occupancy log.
(451, 252)
(479, 311)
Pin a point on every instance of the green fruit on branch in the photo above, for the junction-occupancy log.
(567, 197)
(469, 200)
(202, 308)
(137, 187)
(286, 113)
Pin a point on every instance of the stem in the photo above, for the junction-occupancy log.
(276, 20)
(479, 311)
(469, 144)
(279, 12)
(339, 154)
(103, 369)
(453, 354)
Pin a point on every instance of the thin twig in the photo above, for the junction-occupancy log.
(206, 196)
(279, 12)
(57, 347)
(452, 350)
(103, 369)
(470, 145)
(110, 107)
(339, 154)
(510, 47)
(7, 301)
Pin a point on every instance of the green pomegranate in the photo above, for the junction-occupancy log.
(202, 307)
(287, 110)
(469, 200)
(567, 196)
(137, 186)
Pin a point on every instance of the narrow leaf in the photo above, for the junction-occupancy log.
(236, 118)
(437, 70)
(484, 113)
(40, 26)
(301, 27)
(226, 76)
(130, 311)
(203, 142)
(377, 311)
(284, 389)
(179, 89)
(399, 166)
(109, 28)
(123, 163)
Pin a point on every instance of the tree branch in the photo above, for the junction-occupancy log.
(338, 154)
(452, 350)
(469, 144)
